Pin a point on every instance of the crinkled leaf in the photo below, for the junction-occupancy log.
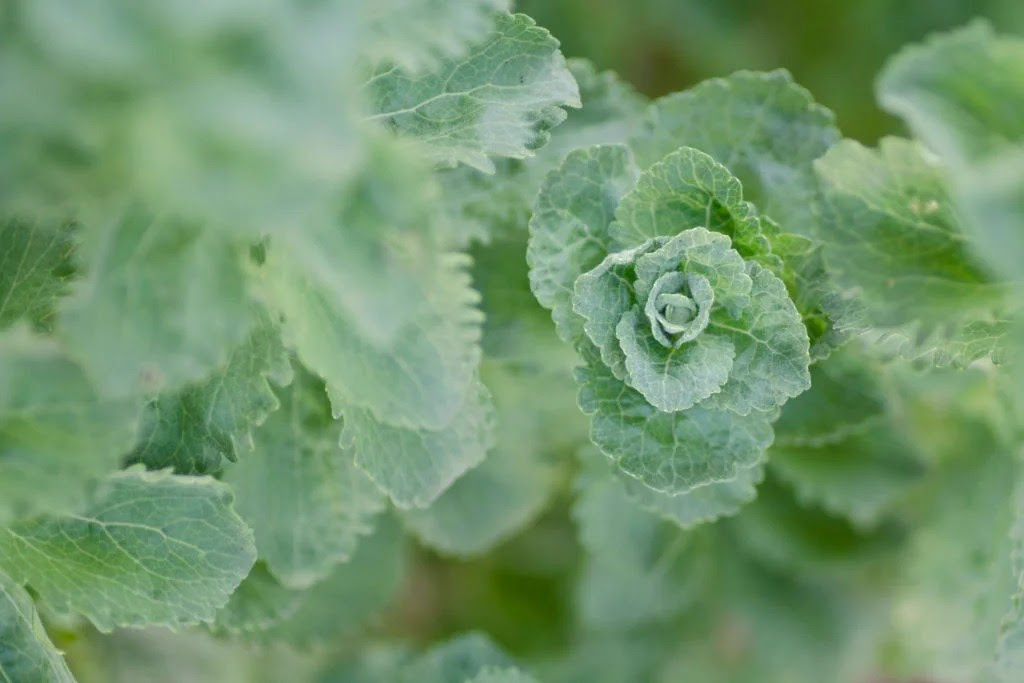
(569, 228)
(56, 434)
(762, 126)
(35, 267)
(700, 505)
(352, 594)
(689, 189)
(639, 568)
(499, 496)
(893, 242)
(499, 100)
(26, 653)
(162, 302)
(961, 93)
(669, 452)
(300, 491)
(422, 378)
(771, 349)
(455, 661)
(152, 549)
(415, 465)
(195, 429)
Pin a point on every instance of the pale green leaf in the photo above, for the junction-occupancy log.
(495, 674)
(569, 228)
(669, 452)
(418, 34)
(257, 604)
(300, 491)
(456, 661)
(762, 126)
(35, 268)
(639, 567)
(56, 434)
(893, 242)
(961, 93)
(353, 593)
(415, 465)
(422, 378)
(499, 100)
(26, 653)
(195, 429)
(152, 549)
(504, 492)
(162, 302)
(700, 505)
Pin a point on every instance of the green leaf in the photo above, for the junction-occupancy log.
(893, 242)
(162, 303)
(494, 674)
(354, 591)
(499, 100)
(194, 429)
(670, 452)
(26, 653)
(56, 434)
(423, 378)
(700, 505)
(415, 465)
(35, 268)
(763, 127)
(300, 491)
(960, 92)
(455, 661)
(839, 446)
(152, 549)
(258, 603)
(418, 34)
(639, 568)
(504, 492)
(569, 228)
(689, 189)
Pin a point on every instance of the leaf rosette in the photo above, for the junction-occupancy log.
(664, 282)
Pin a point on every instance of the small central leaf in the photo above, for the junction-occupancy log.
(675, 317)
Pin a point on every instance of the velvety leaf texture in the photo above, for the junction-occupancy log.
(26, 653)
(152, 549)
(499, 100)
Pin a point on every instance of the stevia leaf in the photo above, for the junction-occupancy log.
(301, 493)
(700, 505)
(258, 603)
(415, 465)
(162, 302)
(569, 228)
(418, 34)
(35, 267)
(56, 434)
(640, 569)
(499, 100)
(421, 379)
(351, 594)
(26, 652)
(762, 126)
(195, 429)
(892, 240)
(499, 496)
(772, 350)
(670, 452)
(151, 549)
(961, 92)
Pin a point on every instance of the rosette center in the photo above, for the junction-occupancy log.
(679, 307)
